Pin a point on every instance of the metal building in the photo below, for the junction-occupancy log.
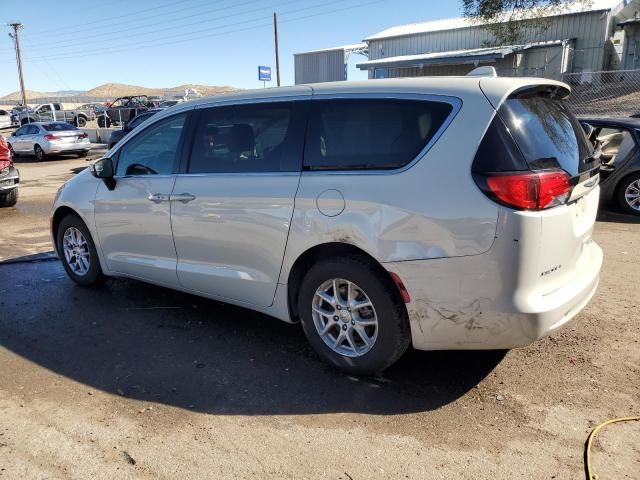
(326, 65)
(578, 38)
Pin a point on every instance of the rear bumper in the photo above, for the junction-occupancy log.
(67, 147)
(469, 303)
(9, 180)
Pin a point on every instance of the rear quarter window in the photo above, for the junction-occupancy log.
(361, 134)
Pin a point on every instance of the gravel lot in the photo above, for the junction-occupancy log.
(135, 381)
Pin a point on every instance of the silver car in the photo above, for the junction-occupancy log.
(447, 213)
(49, 138)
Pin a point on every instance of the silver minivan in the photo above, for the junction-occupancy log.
(446, 213)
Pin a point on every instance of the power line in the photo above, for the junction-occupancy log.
(181, 37)
(74, 28)
(140, 33)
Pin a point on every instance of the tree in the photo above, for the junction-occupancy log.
(508, 20)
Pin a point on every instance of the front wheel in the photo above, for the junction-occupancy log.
(104, 121)
(9, 199)
(628, 193)
(353, 316)
(78, 252)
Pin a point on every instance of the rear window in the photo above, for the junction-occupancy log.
(547, 133)
(370, 133)
(58, 127)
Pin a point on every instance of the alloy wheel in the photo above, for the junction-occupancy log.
(345, 317)
(632, 195)
(76, 251)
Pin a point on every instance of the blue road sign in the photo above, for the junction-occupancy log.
(264, 74)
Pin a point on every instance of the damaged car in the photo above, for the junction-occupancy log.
(438, 212)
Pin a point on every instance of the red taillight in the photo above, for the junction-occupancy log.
(84, 135)
(531, 190)
(50, 136)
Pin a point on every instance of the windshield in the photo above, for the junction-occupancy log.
(58, 127)
(547, 133)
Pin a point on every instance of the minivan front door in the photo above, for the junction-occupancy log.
(134, 219)
(233, 204)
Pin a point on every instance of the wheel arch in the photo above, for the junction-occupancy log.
(319, 252)
(61, 212)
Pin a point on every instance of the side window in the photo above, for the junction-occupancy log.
(22, 131)
(370, 133)
(45, 109)
(33, 130)
(614, 143)
(154, 150)
(261, 137)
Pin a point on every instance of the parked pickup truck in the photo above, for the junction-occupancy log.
(54, 112)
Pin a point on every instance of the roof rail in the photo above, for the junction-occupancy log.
(486, 71)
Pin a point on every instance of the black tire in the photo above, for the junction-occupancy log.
(83, 154)
(80, 121)
(620, 194)
(393, 335)
(12, 152)
(104, 121)
(94, 275)
(9, 199)
(39, 153)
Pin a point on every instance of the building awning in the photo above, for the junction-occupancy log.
(454, 57)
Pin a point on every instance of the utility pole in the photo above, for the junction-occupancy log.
(275, 33)
(16, 39)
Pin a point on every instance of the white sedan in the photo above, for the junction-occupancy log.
(5, 119)
(48, 138)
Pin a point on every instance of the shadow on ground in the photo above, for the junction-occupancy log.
(154, 344)
(610, 215)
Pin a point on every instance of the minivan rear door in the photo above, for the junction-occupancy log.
(232, 203)
(550, 138)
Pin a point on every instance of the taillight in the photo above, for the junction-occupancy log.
(529, 190)
(83, 135)
(50, 136)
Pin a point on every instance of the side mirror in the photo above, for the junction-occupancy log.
(103, 168)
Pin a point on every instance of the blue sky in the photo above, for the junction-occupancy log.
(79, 44)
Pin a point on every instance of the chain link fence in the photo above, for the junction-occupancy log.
(606, 93)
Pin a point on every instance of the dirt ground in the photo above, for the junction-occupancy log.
(136, 381)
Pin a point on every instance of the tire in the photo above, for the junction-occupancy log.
(9, 199)
(626, 193)
(12, 152)
(104, 121)
(39, 153)
(80, 121)
(93, 275)
(83, 154)
(391, 336)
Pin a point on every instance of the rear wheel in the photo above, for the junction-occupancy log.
(78, 252)
(12, 152)
(83, 154)
(628, 194)
(9, 199)
(39, 153)
(352, 315)
(80, 121)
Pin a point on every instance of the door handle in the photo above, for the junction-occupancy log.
(158, 197)
(182, 197)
